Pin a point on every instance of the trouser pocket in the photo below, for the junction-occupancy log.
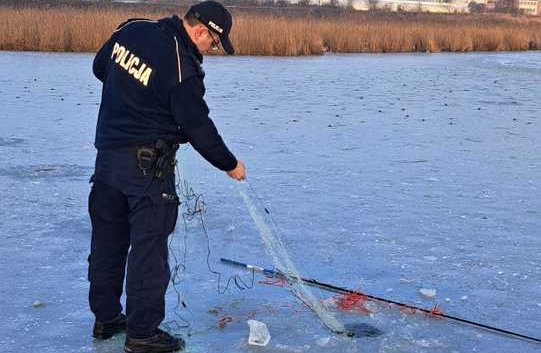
(163, 217)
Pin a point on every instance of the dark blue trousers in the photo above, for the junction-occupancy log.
(132, 215)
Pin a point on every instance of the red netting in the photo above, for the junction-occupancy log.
(223, 321)
(408, 310)
(272, 281)
(435, 312)
(352, 302)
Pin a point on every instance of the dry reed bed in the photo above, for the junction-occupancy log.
(84, 30)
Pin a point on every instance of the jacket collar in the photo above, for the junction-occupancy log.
(174, 26)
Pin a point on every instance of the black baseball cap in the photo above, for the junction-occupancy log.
(217, 19)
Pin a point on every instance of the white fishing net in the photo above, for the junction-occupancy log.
(282, 262)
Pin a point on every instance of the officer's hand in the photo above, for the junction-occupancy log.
(239, 173)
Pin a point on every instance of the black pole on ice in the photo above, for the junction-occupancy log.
(332, 288)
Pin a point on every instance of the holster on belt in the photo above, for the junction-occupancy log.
(166, 161)
(161, 158)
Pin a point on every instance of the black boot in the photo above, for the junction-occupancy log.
(161, 342)
(106, 329)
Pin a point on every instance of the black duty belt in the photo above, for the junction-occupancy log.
(160, 158)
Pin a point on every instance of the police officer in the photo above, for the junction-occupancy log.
(152, 100)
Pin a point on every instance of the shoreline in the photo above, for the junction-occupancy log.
(75, 29)
(327, 53)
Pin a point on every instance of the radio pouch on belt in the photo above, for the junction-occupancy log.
(146, 159)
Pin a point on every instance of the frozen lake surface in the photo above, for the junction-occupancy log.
(385, 173)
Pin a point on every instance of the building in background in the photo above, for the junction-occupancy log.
(437, 6)
(529, 7)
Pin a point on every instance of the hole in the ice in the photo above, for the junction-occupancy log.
(362, 330)
(10, 141)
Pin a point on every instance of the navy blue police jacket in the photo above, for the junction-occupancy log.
(153, 89)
